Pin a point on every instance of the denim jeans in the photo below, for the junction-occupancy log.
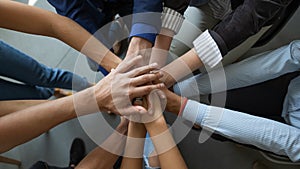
(39, 80)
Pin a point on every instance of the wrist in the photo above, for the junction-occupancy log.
(167, 79)
(182, 105)
(157, 123)
(141, 42)
(136, 130)
(110, 61)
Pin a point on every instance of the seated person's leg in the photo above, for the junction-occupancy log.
(23, 68)
(14, 91)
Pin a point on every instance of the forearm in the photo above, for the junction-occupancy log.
(71, 33)
(160, 51)
(134, 146)
(24, 125)
(33, 20)
(100, 158)
(8, 107)
(181, 67)
(168, 153)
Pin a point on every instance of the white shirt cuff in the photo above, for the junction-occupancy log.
(194, 112)
(172, 20)
(207, 50)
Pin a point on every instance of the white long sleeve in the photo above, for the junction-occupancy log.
(263, 133)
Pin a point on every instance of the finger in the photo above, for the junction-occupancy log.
(163, 99)
(161, 95)
(146, 78)
(131, 110)
(144, 90)
(128, 64)
(142, 70)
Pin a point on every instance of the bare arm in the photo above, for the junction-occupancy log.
(99, 158)
(133, 155)
(21, 126)
(181, 67)
(161, 47)
(28, 19)
(8, 107)
(168, 153)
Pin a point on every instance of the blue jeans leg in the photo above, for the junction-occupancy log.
(21, 67)
(14, 91)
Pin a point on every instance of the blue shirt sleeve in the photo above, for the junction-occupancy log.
(146, 21)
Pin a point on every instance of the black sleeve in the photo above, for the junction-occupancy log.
(177, 5)
(245, 21)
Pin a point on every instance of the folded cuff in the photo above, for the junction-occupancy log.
(207, 49)
(172, 19)
(194, 112)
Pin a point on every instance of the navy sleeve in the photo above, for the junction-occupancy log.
(146, 19)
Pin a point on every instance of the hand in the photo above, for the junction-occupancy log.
(173, 101)
(115, 92)
(139, 46)
(155, 103)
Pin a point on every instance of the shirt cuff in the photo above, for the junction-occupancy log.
(194, 112)
(207, 49)
(172, 19)
(145, 31)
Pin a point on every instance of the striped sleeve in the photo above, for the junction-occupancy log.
(207, 49)
(172, 19)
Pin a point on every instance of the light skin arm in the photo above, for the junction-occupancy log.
(181, 67)
(134, 146)
(99, 158)
(139, 46)
(161, 47)
(172, 157)
(21, 126)
(20, 17)
(168, 153)
(11, 106)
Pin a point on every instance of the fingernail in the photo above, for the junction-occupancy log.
(154, 65)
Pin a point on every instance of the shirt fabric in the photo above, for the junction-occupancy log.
(246, 19)
(263, 133)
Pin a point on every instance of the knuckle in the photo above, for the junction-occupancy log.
(148, 89)
(146, 78)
